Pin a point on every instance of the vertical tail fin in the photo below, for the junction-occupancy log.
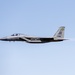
(60, 32)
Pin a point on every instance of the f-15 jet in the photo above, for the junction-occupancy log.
(58, 36)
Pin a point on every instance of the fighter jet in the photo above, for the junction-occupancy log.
(58, 36)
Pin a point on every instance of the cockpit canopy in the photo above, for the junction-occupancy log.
(16, 34)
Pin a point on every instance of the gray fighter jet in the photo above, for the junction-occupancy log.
(59, 36)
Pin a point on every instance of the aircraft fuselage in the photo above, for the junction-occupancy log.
(59, 36)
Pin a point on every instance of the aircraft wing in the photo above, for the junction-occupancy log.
(36, 39)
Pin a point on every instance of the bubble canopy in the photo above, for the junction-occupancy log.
(17, 34)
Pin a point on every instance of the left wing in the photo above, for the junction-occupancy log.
(30, 39)
(36, 39)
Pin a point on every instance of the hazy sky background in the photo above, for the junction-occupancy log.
(37, 18)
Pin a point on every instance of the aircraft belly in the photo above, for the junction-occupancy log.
(46, 39)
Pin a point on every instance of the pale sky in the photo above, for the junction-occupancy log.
(37, 18)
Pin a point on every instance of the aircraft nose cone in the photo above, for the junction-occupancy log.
(3, 38)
